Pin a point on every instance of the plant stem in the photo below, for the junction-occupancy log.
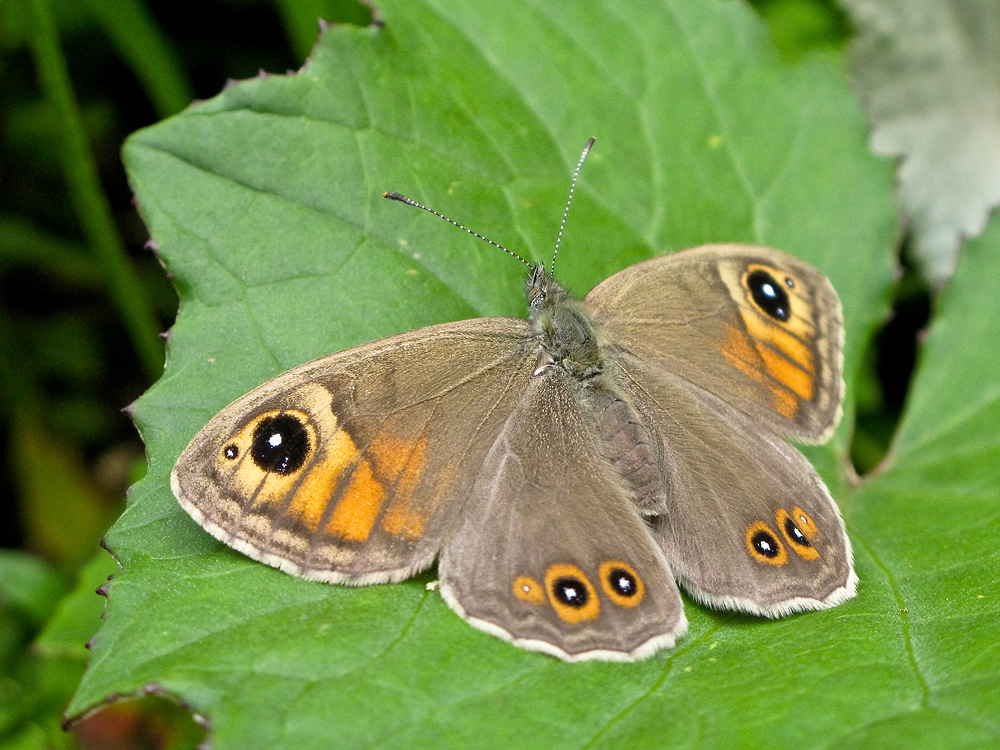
(88, 199)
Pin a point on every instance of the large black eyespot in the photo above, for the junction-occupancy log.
(280, 444)
(570, 592)
(769, 295)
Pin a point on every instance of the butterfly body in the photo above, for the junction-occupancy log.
(565, 472)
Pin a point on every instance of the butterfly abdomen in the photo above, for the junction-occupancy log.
(625, 443)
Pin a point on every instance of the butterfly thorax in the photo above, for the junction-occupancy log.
(568, 339)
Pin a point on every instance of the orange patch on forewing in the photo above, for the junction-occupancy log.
(388, 455)
(745, 357)
(764, 330)
(740, 353)
(404, 517)
(573, 615)
(313, 495)
(528, 590)
(786, 373)
(359, 506)
(785, 402)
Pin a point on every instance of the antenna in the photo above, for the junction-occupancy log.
(586, 150)
(572, 187)
(404, 199)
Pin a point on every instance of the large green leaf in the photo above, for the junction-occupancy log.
(265, 203)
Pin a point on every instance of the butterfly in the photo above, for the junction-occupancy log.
(566, 472)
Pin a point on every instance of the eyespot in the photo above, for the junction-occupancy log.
(805, 523)
(571, 595)
(622, 583)
(768, 294)
(764, 545)
(795, 535)
(528, 590)
(231, 451)
(280, 444)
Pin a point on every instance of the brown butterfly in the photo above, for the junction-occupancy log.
(566, 471)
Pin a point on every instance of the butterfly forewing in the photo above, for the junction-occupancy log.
(760, 329)
(353, 467)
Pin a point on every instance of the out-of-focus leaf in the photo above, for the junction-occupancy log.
(29, 586)
(78, 615)
(64, 515)
(928, 71)
(799, 27)
(39, 674)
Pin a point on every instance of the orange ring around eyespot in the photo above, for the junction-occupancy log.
(568, 613)
(805, 523)
(804, 549)
(610, 566)
(759, 527)
(528, 590)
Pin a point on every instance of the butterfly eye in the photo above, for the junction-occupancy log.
(764, 546)
(280, 444)
(572, 596)
(769, 295)
(622, 583)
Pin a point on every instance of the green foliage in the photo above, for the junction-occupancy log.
(264, 203)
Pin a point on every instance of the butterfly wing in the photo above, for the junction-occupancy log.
(721, 350)
(551, 553)
(354, 467)
(747, 523)
(758, 328)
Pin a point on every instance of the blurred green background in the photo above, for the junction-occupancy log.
(83, 301)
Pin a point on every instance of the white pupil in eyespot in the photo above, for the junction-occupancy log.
(275, 440)
(769, 290)
(765, 545)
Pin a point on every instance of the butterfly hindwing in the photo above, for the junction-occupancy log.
(747, 522)
(551, 552)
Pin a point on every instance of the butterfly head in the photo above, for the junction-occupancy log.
(542, 291)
